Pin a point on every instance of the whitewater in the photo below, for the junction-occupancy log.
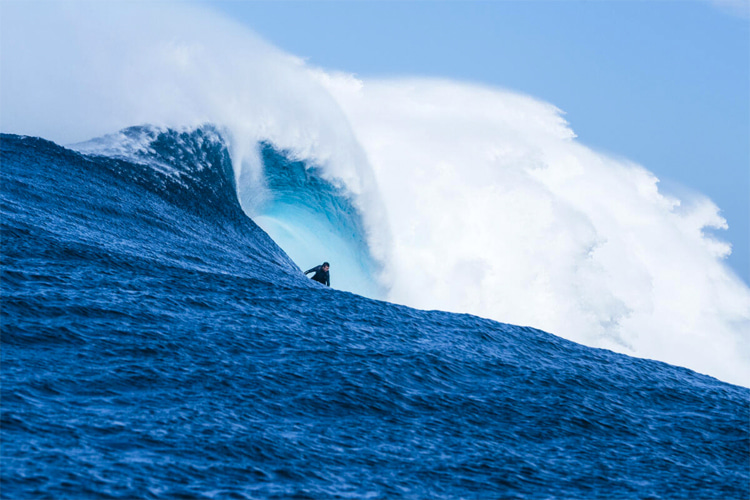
(430, 193)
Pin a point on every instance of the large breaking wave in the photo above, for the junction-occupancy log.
(156, 343)
(310, 217)
(434, 194)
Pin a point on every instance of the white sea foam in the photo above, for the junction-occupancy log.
(478, 200)
(496, 210)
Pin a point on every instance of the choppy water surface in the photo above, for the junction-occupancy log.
(157, 344)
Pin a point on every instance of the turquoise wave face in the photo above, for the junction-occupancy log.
(314, 221)
(309, 217)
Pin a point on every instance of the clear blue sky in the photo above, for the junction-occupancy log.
(663, 83)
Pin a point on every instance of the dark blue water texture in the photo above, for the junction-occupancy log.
(157, 344)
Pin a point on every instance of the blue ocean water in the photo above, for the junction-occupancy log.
(156, 343)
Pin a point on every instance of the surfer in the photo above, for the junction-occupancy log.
(321, 273)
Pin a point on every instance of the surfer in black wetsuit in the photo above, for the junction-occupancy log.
(321, 273)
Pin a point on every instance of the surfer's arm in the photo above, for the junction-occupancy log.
(314, 269)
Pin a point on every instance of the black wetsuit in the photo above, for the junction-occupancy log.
(320, 275)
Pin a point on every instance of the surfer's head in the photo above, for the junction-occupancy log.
(326, 266)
